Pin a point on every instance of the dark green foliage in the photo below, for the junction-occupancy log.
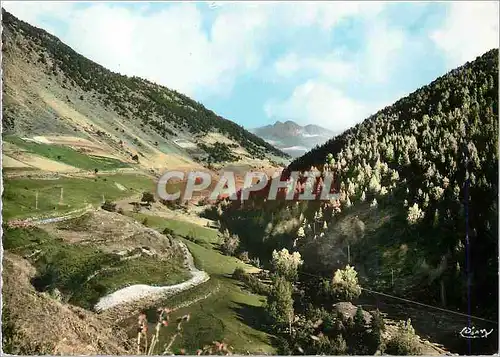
(219, 152)
(377, 326)
(243, 256)
(280, 303)
(23, 238)
(109, 206)
(238, 273)
(148, 197)
(250, 280)
(404, 342)
(420, 151)
(168, 231)
(359, 334)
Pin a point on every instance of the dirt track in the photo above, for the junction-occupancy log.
(140, 291)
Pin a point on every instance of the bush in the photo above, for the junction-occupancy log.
(109, 206)
(148, 197)
(255, 262)
(286, 264)
(251, 281)
(239, 273)
(404, 342)
(345, 284)
(168, 231)
(280, 303)
(203, 202)
(230, 244)
(136, 207)
(377, 326)
(244, 257)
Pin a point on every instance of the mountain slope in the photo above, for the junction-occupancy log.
(292, 138)
(423, 149)
(50, 89)
(408, 221)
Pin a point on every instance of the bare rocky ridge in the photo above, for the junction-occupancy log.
(49, 89)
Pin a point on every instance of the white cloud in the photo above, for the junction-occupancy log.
(329, 14)
(384, 47)
(176, 47)
(36, 13)
(330, 67)
(169, 47)
(320, 103)
(322, 99)
(469, 30)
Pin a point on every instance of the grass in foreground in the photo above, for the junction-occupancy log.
(230, 314)
(71, 267)
(19, 197)
(147, 271)
(67, 155)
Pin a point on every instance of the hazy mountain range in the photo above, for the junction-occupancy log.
(292, 138)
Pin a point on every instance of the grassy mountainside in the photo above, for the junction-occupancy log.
(405, 207)
(51, 89)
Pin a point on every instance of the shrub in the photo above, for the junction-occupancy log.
(286, 264)
(280, 302)
(109, 206)
(404, 342)
(230, 244)
(137, 207)
(168, 231)
(251, 281)
(148, 197)
(377, 326)
(244, 257)
(345, 284)
(255, 262)
(239, 273)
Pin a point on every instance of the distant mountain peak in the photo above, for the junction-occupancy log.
(293, 138)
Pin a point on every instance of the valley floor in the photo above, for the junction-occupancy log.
(219, 306)
(73, 230)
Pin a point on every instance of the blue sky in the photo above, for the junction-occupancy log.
(326, 63)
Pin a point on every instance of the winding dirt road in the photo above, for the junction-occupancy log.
(140, 291)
